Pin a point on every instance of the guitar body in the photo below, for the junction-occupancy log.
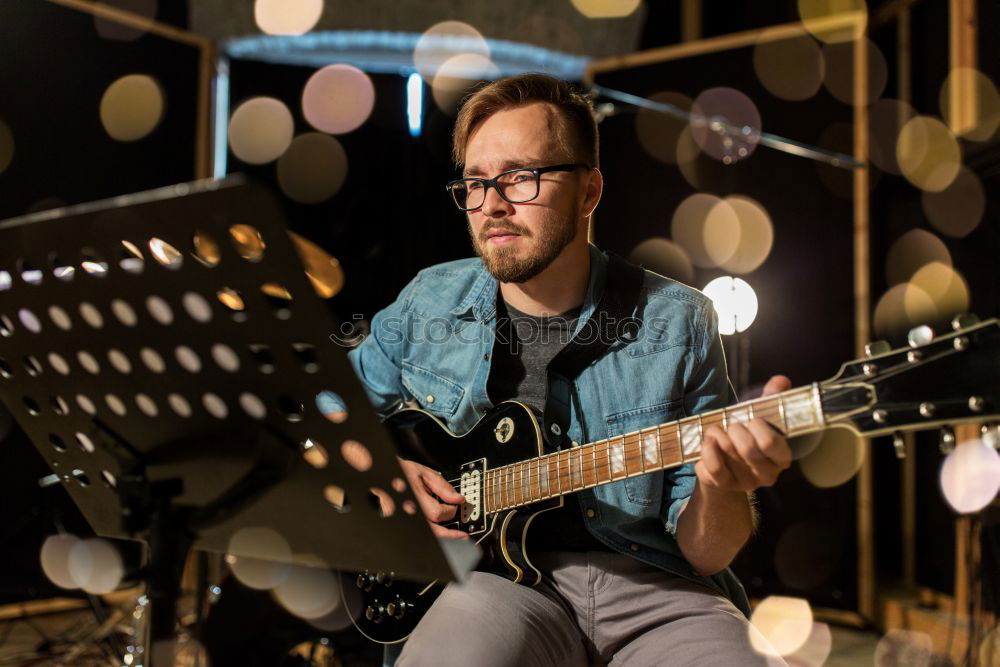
(508, 434)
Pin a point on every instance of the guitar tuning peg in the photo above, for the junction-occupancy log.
(920, 335)
(947, 441)
(964, 320)
(876, 347)
(899, 445)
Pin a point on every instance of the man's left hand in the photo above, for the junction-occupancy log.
(749, 455)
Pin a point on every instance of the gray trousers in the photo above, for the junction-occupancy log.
(594, 608)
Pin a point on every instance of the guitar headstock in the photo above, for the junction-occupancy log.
(936, 380)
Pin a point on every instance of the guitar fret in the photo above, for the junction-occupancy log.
(680, 440)
(527, 497)
(593, 455)
(509, 487)
(486, 492)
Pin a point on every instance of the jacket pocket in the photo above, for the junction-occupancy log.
(435, 393)
(644, 490)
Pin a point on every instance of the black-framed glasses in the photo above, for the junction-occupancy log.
(516, 186)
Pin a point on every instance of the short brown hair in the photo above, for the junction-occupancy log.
(576, 133)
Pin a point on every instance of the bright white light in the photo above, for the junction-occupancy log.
(414, 102)
(735, 302)
(970, 476)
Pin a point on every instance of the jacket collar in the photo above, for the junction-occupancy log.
(481, 299)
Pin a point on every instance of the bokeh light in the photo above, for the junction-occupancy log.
(606, 9)
(807, 554)
(928, 153)
(946, 288)
(107, 29)
(707, 228)
(260, 130)
(309, 592)
(725, 105)
(836, 460)
(816, 15)
(332, 406)
(313, 168)
(287, 17)
(839, 79)
(96, 566)
(338, 99)
(132, 107)
(785, 622)
(698, 169)
(6, 146)
(911, 251)
(186, 651)
(756, 235)
(958, 209)
(54, 558)
(904, 648)
(970, 104)
(886, 119)
(735, 302)
(901, 308)
(443, 41)
(658, 132)
(664, 257)
(790, 68)
(457, 75)
(970, 476)
(816, 649)
(259, 557)
(839, 137)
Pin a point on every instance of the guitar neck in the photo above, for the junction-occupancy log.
(667, 445)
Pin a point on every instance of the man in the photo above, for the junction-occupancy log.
(635, 571)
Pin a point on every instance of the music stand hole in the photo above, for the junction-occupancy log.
(91, 315)
(33, 366)
(57, 443)
(147, 405)
(31, 406)
(179, 405)
(398, 485)
(225, 357)
(332, 406)
(29, 320)
(205, 249)
(159, 309)
(124, 312)
(252, 405)
(58, 363)
(314, 453)
(263, 356)
(59, 405)
(81, 478)
(152, 359)
(130, 258)
(307, 356)
(409, 507)
(197, 307)
(215, 406)
(165, 254)
(5, 281)
(337, 497)
(280, 299)
(233, 302)
(116, 404)
(62, 270)
(85, 443)
(382, 502)
(119, 361)
(356, 455)
(88, 362)
(93, 263)
(187, 358)
(248, 242)
(109, 479)
(290, 408)
(6, 326)
(60, 318)
(29, 273)
(86, 404)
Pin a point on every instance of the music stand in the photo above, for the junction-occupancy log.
(164, 352)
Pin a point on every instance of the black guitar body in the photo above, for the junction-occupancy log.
(508, 434)
(390, 609)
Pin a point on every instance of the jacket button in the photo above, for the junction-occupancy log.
(430, 398)
(555, 429)
(591, 514)
(486, 357)
(633, 546)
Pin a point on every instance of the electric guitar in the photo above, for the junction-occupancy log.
(502, 470)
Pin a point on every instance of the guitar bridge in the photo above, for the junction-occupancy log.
(472, 518)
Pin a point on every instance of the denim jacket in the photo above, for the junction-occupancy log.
(434, 344)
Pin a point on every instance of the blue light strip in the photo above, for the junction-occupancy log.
(220, 133)
(414, 102)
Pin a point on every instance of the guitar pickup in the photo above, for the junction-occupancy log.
(473, 514)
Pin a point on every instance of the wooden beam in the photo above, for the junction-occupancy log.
(136, 21)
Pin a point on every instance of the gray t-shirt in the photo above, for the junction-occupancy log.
(521, 354)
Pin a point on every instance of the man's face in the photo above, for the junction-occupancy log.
(518, 241)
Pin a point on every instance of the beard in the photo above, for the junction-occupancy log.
(503, 263)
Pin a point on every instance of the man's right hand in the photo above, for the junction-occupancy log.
(424, 481)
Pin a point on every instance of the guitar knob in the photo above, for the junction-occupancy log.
(375, 613)
(920, 336)
(947, 442)
(397, 609)
(384, 578)
(899, 445)
(365, 581)
(964, 320)
(876, 347)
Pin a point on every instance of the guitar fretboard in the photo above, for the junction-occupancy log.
(660, 447)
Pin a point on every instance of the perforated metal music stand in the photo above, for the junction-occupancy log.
(156, 364)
